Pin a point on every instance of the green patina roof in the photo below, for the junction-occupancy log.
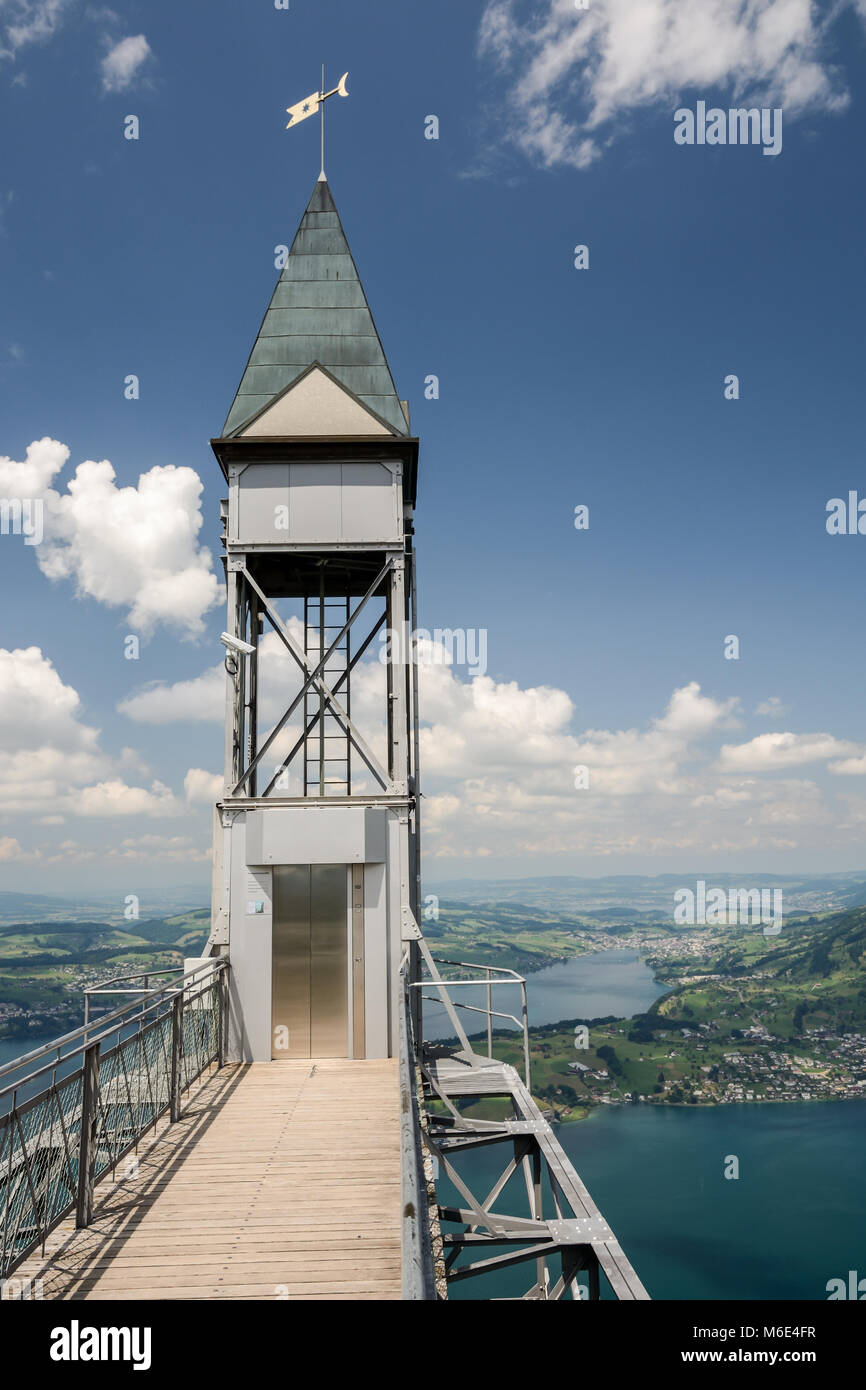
(318, 313)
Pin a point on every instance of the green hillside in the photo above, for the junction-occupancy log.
(44, 966)
(513, 935)
(757, 1018)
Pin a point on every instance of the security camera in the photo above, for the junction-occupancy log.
(235, 644)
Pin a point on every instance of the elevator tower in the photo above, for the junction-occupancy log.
(316, 866)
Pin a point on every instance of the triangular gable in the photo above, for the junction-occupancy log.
(315, 404)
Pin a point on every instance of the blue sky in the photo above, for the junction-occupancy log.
(557, 387)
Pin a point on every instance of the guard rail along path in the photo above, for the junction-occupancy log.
(72, 1110)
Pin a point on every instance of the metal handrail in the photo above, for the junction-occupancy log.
(83, 1030)
(133, 975)
(488, 982)
(479, 965)
(110, 986)
(58, 1142)
(419, 1281)
(473, 1008)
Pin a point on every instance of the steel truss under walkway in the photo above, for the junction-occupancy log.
(564, 1235)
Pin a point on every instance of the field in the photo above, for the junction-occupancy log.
(748, 1018)
(45, 966)
(512, 935)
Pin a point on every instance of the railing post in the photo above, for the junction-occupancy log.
(525, 1017)
(87, 1139)
(416, 998)
(222, 986)
(489, 1016)
(176, 1054)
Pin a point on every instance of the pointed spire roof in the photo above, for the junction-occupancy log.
(318, 314)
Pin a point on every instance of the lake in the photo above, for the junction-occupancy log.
(591, 986)
(10, 1048)
(792, 1220)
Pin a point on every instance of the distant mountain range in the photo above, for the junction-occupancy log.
(642, 896)
(651, 897)
(104, 907)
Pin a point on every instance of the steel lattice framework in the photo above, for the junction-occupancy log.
(553, 1224)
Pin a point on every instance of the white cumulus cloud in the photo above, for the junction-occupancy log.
(11, 851)
(123, 62)
(202, 698)
(115, 798)
(127, 547)
(30, 21)
(850, 767)
(769, 752)
(575, 76)
(51, 763)
(772, 708)
(499, 764)
(37, 709)
(202, 786)
(172, 849)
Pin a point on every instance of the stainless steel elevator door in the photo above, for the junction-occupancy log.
(309, 986)
(290, 963)
(329, 958)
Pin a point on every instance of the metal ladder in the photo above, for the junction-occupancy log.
(327, 747)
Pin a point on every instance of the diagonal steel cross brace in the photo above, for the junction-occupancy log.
(315, 678)
(315, 719)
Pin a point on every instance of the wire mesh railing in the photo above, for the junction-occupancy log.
(71, 1110)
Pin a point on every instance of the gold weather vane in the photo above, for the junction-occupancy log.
(315, 103)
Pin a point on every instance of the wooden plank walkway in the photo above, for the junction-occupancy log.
(279, 1181)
